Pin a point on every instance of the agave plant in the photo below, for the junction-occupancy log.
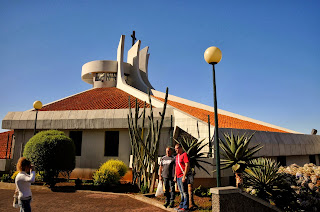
(193, 148)
(237, 153)
(263, 177)
(263, 174)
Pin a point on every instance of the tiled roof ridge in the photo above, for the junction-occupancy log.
(220, 111)
(63, 98)
(225, 121)
(5, 146)
(95, 99)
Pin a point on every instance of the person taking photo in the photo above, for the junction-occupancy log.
(23, 181)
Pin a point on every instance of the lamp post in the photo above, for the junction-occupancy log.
(213, 56)
(37, 105)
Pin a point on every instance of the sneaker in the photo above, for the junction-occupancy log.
(183, 210)
(177, 209)
(171, 204)
(166, 204)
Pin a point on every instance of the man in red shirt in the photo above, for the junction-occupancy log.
(182, 168)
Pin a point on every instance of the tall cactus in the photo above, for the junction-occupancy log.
(145, 143)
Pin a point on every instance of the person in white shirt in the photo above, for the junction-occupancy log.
(23, 180)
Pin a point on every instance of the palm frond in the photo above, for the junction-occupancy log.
(193, 148)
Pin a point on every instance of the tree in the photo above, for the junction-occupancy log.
(237, 153)
(193, 148)
(52, 152)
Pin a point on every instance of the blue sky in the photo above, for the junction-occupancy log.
(269, 70)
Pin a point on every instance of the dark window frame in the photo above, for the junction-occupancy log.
(312, 159)
(282, 160)
(77, 139)
(111, 143)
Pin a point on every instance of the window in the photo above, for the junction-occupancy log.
(111, 147)
(111, 76)
(282, 160)
(232, 181)
(312, 159)
(76, 136)
(100, 77)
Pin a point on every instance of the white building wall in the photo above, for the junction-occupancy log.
(93, 145)
(164, 141)
(195, 127)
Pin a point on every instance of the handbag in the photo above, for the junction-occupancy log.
(159, 191)
(15, 199)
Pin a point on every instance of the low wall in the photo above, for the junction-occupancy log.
(231, 199)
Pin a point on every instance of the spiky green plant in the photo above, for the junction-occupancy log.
(263, 174)
(263, 177)
(237, 153)
(193, 148)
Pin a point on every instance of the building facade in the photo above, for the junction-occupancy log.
(96, 119)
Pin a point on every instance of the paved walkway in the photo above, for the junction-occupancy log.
(46, 200)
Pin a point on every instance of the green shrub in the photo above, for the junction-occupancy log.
(39, 177)
(51, 152)
(106, 176)
(109, 173)
(118, 164)
(202, 192)
(145, 189)
(5, 178)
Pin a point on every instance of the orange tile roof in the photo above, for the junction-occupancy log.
(5, 144)
(224, 121)
(95, 99)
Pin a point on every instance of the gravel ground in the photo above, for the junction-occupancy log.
(46, 200)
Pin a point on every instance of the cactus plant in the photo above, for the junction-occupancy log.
(145, 145)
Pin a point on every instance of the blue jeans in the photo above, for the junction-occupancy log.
(24, 205)
(183, 188)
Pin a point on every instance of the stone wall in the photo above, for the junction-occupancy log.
(231, 199)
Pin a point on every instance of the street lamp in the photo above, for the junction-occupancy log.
(37, 105)
(213, 56)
